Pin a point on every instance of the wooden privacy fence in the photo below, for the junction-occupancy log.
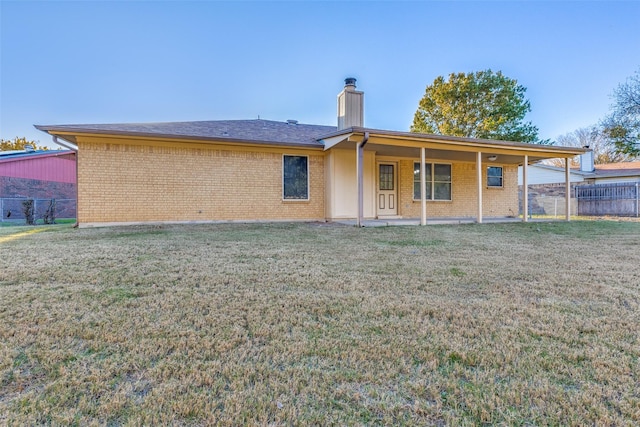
(621, 199)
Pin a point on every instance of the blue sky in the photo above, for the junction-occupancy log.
(65, 62)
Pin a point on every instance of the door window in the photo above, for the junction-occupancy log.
(386, 177)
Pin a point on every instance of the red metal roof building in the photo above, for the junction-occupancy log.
(41, 175)
(43, 165)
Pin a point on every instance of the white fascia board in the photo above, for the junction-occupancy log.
(335, 140)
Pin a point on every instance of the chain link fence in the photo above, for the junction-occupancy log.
(12, 208)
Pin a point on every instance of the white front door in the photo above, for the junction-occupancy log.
(387, 193)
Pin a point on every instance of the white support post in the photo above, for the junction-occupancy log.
(525, 191)
(359, 173)
(359, 177)
(423, 187)
(567, 180)
(479, 175)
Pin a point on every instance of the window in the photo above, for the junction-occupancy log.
(386, 177)
(438, 178)
(295, 177)
(494, 176)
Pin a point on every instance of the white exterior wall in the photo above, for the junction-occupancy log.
(540, 175)
(350, 108)
(342, 185)
(614, 180)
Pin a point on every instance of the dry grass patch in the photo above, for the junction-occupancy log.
(320, 324)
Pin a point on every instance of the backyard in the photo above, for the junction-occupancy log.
(297, 324)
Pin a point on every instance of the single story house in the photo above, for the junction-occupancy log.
(587, 172)
(613, 189)
(40, 175)
(261, 170)
(615, 173)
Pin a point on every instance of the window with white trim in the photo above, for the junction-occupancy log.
(494, 176)
(295, 177)
(438, 179)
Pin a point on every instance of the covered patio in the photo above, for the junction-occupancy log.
(384, 222)
(477, 155)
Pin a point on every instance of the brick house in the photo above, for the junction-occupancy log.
(261, 170)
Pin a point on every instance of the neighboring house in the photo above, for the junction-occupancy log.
(615, 173)
(596, 186)
(613, 189)
(260, 170)
(542, 174)
(41, 175)
(547, 187)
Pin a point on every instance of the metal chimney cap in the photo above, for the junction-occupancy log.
(350, 81)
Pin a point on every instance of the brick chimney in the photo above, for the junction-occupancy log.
(350, 106)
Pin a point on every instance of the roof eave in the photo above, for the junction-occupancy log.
(70, 133)
(562, 169)
(626, 174)
(474, 142)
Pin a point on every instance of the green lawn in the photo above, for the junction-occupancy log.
(297, 324)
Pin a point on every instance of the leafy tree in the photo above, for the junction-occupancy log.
(622, 126)
(483, 104)
(604, 150)
(18, 144)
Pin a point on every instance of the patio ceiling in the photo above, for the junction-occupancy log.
(408, 145)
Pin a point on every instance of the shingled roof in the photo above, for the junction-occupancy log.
(256, 131)
(618, 170)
